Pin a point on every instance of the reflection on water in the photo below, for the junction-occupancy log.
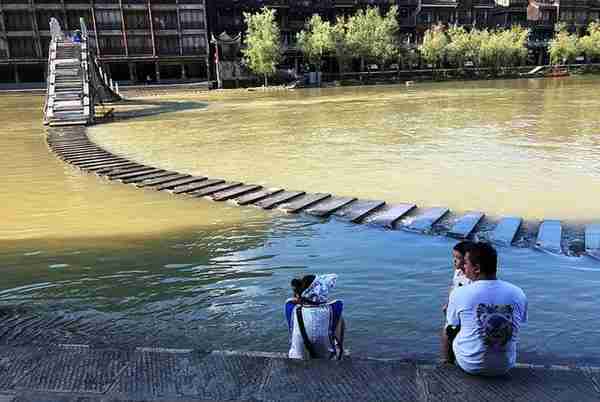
(224, 288)
(83, 260)
(525, 147)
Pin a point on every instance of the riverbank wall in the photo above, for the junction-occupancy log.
(68, 372)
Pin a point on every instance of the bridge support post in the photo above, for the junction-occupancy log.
(17, 75)
(157, 71)
(132, 72)
(183, 71)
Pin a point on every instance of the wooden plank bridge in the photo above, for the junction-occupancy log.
(76, 83)
(72, 145)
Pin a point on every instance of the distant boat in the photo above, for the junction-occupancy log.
(557, 72)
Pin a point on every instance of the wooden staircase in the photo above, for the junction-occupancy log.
(75, 82)
(68, 89)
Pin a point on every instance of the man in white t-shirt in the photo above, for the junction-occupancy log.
(483, 319)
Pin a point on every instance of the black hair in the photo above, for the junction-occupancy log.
(462, 247)
(485, 256)
(300, 285)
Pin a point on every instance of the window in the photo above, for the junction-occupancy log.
(111, 45)
(168, 45)
(22, 47)
(192, 19)
(194, 45)
(136, 20)
(18, 21)
(108, 19)
(164, 20)
(139, 44)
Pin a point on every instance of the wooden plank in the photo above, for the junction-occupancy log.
(157, 175)
(549, 237)
(279, 198)
(235, 192)
(122, 170)
(303, 202)
(358, 210)
(101, 170)
(188, 188)
(256, 196)
(329, 206)
(131, 175)
(101, 166)
(216, 188)
(390, 215)
(72, 142)
(464, 225)
(162, 180)
(79, 152)
(85, 147)
(592, 240)
(81, 155)
(504, 233)
(426, 219)
(188, 180)
(84, 159)
(88, 162)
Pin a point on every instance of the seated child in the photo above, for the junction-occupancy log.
(316, 325)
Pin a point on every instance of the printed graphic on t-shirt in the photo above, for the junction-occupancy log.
(495, 323)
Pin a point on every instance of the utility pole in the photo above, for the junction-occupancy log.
(213, 40)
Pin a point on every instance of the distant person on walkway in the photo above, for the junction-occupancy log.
(77, 36)
(316, 325)
(483, 319)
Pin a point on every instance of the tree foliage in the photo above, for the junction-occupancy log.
(564, 47)
(317, 40)
(464, 46)
(590, 43)
(371, 36)
(263, 45)
(434, 46)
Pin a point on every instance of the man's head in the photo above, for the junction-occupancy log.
(481, 261)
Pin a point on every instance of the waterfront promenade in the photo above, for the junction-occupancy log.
(81, 373)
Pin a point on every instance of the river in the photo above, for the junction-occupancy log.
(122, 266)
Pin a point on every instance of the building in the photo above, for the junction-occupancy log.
(415, 17)
(167, 40)
(135, 40)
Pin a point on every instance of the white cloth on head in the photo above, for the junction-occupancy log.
(490, 314)
(318, 291)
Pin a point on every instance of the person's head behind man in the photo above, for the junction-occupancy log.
(481, 261)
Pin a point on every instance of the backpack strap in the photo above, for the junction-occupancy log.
(307, 342)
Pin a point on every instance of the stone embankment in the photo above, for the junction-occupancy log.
(80, 373)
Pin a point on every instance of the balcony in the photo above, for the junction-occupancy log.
(108, 26)
(193, 25)
(199, 51)
(168, 51)
(137, 50)
(112, 51)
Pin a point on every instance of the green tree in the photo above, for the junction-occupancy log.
(434, 46)
(317, 40)
(590, 43)
(371, 36)
(263, 45)
(503, 48)
(464, 46)
(564, 47)
(343, 52)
